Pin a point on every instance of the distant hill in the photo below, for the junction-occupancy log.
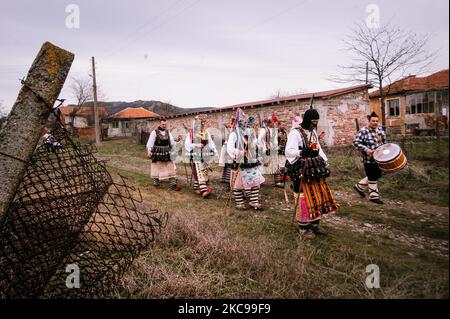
(161, 108)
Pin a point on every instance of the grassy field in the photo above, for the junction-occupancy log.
(210, 251)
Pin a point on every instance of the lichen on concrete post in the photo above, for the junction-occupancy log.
(22, 130)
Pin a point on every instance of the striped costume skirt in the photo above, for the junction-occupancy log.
(200, 171)
(246, 178)
(163, 170)
(314, 201)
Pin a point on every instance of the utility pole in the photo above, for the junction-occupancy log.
(437, 115)
(96, 120)
(367, 72)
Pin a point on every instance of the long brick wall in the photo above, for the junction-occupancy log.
(337, 116)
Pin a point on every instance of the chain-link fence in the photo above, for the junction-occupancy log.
(68, 213)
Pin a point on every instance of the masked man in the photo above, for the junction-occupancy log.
(281, 160)
(246, 177)
(266, 138)
(201, 150)
(307, 168)
(224, 159)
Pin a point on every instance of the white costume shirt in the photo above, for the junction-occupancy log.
(152, 139)
(232, 150)
(189, 145)
(295, 144)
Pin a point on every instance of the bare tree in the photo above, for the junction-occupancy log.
(82, 92)
(280, 93)
(386, 53)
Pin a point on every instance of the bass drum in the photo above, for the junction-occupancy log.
(390, 158)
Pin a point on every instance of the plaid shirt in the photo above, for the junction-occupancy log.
(369, 138)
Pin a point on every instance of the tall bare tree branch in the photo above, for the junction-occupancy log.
(81, 89)
(390, 52)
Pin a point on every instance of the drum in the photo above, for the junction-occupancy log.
(390, 158)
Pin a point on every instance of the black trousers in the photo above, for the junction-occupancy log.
(373, 171)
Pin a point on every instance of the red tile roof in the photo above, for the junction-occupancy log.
(438, 80)
(134, 113)
(84, 111)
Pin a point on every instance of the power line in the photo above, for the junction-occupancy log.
(274, 16)
(152, 19)
(156, 27)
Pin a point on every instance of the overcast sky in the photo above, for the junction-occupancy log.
(195, 53)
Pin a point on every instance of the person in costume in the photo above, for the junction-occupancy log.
(246, 177)
(366, 141)
(269, 148)
(201, 149)
(308, 169)
(224, 159)
(51, 142)
(160, 146)
(281, 160)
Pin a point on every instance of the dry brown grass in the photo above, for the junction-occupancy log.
(208, 252)
(192, 259)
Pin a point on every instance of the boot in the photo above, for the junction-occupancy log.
(361, 193)
(176, 188)
(377, 201)
(307, 234)
(318, 230)
(207, 192)
(256, 206)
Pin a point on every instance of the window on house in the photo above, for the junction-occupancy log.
(115, 124)
(425, 103)
(126, 124)
(421, 103)
(431, 96)
(419, 100)
(411, 104)
(394, 107)
(442, 100)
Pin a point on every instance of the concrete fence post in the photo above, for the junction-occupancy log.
(21, 132)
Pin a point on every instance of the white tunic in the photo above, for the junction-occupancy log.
(152, 139)
(233, 151)
(294, 145)
(190, 145)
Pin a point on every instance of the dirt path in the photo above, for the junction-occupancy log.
(422, 212)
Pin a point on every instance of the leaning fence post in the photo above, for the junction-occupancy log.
(21, 132)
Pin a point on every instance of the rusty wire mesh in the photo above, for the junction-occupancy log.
(68, 210)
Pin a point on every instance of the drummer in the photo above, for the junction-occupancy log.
(366, 141)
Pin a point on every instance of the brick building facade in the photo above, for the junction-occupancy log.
(338, 110)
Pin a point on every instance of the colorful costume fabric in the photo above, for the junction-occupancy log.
(266, 139)
(201, 149)
(281, 159)
(307, 168)
(225, 160)
(246, 176)
(161, 144)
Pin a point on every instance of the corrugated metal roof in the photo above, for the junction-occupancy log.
(298, 97)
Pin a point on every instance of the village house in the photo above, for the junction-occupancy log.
(81, 119)
(340, 110)
(413, 104)
(126, 122)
